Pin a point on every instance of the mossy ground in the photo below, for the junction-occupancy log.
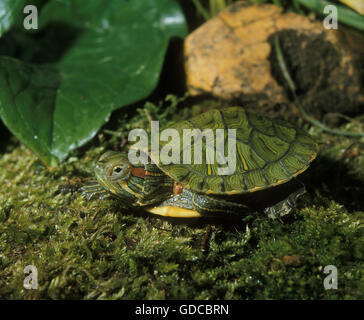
(97, 250)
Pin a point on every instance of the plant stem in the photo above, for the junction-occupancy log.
(203, 12)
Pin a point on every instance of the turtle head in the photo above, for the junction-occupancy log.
(113, 172)
(112, 166)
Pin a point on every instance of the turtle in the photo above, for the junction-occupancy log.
(269, 153)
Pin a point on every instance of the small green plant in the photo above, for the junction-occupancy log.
(212, 8)
(345, 15)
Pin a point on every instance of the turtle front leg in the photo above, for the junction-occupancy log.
(178, 206)
(189, 204)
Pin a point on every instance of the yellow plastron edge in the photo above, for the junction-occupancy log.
(175, 212)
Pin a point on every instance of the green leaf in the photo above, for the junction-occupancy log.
(10, 11)
(26, 99)
(345, 15)
(113, 58)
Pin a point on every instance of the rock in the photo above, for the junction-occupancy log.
(232, 57)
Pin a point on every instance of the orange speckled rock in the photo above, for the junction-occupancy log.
(231, 57)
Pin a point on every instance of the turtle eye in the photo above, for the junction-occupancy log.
(115, 170)
(118, 172)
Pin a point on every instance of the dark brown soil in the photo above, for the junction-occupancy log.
(322, 85)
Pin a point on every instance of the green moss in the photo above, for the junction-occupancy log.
(97, 250)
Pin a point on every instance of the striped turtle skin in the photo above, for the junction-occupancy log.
(268, 153)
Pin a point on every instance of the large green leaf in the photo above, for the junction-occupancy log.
(10, 12)
(26, 104)
(113, 58)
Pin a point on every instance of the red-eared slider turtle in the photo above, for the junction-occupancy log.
(268, 154)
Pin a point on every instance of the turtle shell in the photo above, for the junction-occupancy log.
(268, 152)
